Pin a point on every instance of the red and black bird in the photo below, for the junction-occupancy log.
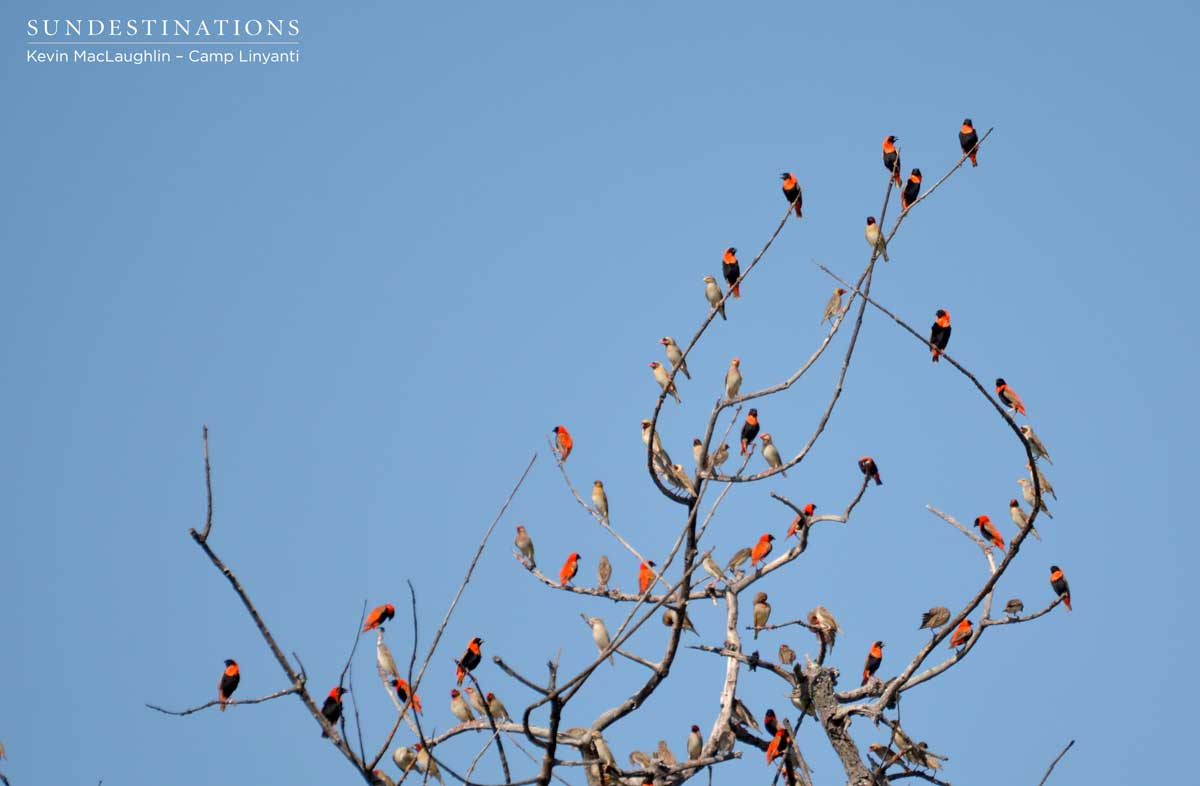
(1009, 396)
(802, 520)
(939, 334)
(778, 746)
(731, 271)
(870, 469)
(874, 658)
(1058, 582)
(911, 189)
(968, 139)
(770, 723)
(229, 682)
(791, 190)
(470, 659)
(402, 690)
(891, 159)
(749, 430)
(332, 708)
(379, 615)
(989, 531)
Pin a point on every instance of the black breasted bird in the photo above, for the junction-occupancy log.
(731, 271)
(332, 708)
(939, 333)
(791, 190)
(891, 158)
(874, 658)
(470, 659)
(1058, 582)
(869, 468)
(749, 430)
(968, 139)
(229, 682)
(911, 189)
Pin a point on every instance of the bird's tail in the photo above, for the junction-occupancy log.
(1035, 533)
(878, 480)
(798, 213)
(222, 704)
(896, 177)
(973, 161)
(737, 290)
(722, 310)
(936, 354)
(1067, 600)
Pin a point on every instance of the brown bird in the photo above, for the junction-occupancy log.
(989, 531)
(738, 559)
(712, 293)
(1019, 518)
(1043, 481)
(228, 684)
(603, 572)
(1035, 444)
(786, 655)
(379, 615)
(875, 238)
(1027, 493)
(600, 499)
(470, 658)
(935, 618)
(833, 306)
(664, 380)
(564, 442)
(1014, 607)
(524, 544)
(476, 701)
(719, 457)
(459, 708)
(668, 619)
(961, 634)
(874, 658)
(762, 612)
(695, 743)
(825, 626)
(664, 755)
(733, 378)
(743, 715)
(499, 711)
(868, 467)
(1058, 582)
(568, 570)
(675, 355)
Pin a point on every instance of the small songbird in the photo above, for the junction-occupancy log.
(471, 657)
(771, 454)
(332, 708)
(1031, 498)
(379, 615)
(961, 634)
(1019, 518)
(875, 238)
(679, 478)
(870, 469)
(712, 568)
(719, 457)
(874, 658)
(699, 455)
(603, 572)
(668, 620)
(1039, 450)
(675, 355)
(826, 627)
(733, 379)
(663, 754)
(1058, 582)
(600, 499)
(770, 722)
(639, 759)
(712, 293)
(402, 690)
(939, 333)
(935, 618)
(661, 461)
(459, 708)
(833, 306)
(229, 682)
(695, 743)
(738, 559)
(792, 192)
(568, 570)
(1008, 397)
(646, 576)
(891, 158)
(801, 699)
(749, 430)
(664, 380)
(384, 659)
(404, 757)
(968, 140)
(524, 544)
(731, 271)
(1014, 607)
(564, 442)
(476, 701)
(743, 715)
(989, 531)
(778, 746)
(761, 549)
(912, 188)
(499, 711)
(762, 612)
(1043, 481)
(802, 520)
(786, 655)
(600, 636)
(425, 763)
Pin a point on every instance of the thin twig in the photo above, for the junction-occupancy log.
(207, 489)
(1053, 763)
(277, 694)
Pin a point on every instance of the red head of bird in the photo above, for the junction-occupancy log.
(943, 317)
(231, 666)
(337, 693)
(753, 416)
(731, 254)
(736, 362)
(889, 142)
(809, 509)
(967, 126)
(915, 177)
(870, 220)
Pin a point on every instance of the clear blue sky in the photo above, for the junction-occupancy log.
(383, 274)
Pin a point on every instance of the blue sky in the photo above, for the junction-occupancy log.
(383, 274)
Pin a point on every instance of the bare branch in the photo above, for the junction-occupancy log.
(207, 489)
(230, 702)
(1055, 762)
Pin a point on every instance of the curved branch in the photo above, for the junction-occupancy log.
(215, 702)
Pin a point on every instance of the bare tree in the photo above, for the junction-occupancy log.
(690, 573)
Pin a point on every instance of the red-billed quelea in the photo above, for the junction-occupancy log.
(1043, 481)
(600, 499)
(384, 659)
(695, 743)
(524, 544)
(826, 627)
(499, 711)
(1030, 498)
(771, 454)
(733, 379)
(425, 763)
(600, 636)
(680, 479)
(712, 292)
(459, 708)
(664, 380)
(1039, 450)
(875, 238)
(834, 306)
(476, 701)
(719, 457)
(699, 455)
(662, 461)
(675, 355)
(762, 612)
(1019, 518)
(404, 758)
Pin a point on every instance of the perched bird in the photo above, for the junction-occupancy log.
(786, 655)
(603, 572)
(738, 559)
(802, 520)
(733, 379)
(743, 715)
(875, 238)
(564, 442)
(801, 699)
(566, 573)
(402, 690)
(719, 457)
(762, 612)
(404, 758)
(935, 618)
(675, 355)
(911, 189)
(1031, 498)
(825, 625)
(1008, 396)
(1019, 518)
(891, 158)
(771, 454)
(939, 333)
(379, 615)
(792, 192)
(639, 759)
(968, 139)
(679, 478)
(472, 655)
(712, 568)
(664, 380)
(874, 658)
(712, 293)
(833, 306)
(499, 711)
(459, 708)
(476, 701)
(921, 756)
(1058, 582)
(524, 544)
(1039, 450)
(1042, 480)
(770, 722)
(600, 499)
(778, 746)
(646, 576)
(698, 454)
(661, 461)
(989, 531)
(384, 659)
(229, 682)
(695, 743)
(749, 430)
(600, 636)
(961, 634)
(668, 619)
(1014, 607)
(731, 271)
(870, 469)
(603, 752)
(761, 549)
(381, 779)
(332, 708)
(425, 763)
(663, 754)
